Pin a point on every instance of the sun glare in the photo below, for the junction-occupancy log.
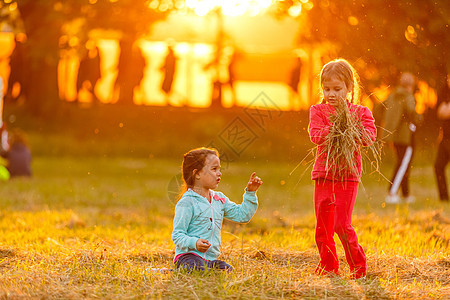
(229, 7)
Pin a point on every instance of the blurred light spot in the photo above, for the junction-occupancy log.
(121, 125)
(13, 6)
(294, 11)
(92, 1)
(309, 6)
(7, 1)
(179, 5)
(282, 182)
(153, 4)
(353, 21)
(73, 41)
(191, 4)
(426, 97)
(63, 40)
(163, 7)
(183, 48)
(113, 1)
(201, 11)
(229, 7)
(201, 49)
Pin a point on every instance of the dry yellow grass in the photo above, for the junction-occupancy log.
(346, 136)
(101, 237)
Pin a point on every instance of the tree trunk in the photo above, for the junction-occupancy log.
(42, 28)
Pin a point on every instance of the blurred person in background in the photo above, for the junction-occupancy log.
(400, 124)
(89, 72)
(18, 156)
(130, 69)
(168, 70)
(18, 74)
(443, 153)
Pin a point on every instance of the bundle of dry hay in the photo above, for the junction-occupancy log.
(346, 135)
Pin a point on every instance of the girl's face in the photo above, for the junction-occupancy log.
(209, 176)
(334, 91)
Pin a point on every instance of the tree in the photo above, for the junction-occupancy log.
(382, 37)
(42, 22)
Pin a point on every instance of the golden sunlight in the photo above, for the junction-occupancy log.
(229, 7)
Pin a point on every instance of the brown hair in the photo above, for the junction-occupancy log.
(194, 160)
(342, 70)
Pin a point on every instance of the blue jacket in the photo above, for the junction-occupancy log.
(196, 218)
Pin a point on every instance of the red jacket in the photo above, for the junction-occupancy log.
(319, 127)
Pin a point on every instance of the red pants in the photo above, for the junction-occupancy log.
(334, 203)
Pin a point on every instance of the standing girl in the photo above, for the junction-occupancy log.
(200, 211)
(339, 128)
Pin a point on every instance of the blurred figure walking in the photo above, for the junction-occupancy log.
(232, 55)
(443, 153)
(130, 71)
(401, 120)
(89, 73)
(169, 71)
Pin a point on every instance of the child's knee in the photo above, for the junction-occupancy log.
(221, 265)
(190, 262)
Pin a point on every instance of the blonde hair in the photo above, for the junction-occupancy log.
(342, 70)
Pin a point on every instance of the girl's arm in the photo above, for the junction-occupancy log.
(370, 130)
(181, 221)
(241, 213)
(319, 127)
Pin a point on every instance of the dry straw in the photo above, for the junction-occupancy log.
(343, 141)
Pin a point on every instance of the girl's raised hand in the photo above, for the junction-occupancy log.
(254, 183)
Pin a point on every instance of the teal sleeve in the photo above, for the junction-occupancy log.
(181, 221)
(241, 213)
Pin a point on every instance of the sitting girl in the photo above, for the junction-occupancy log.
(200, 212)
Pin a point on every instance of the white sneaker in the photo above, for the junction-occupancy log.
(392, 199)
(410, 199)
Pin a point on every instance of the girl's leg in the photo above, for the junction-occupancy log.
(324, 209)
(345, 200)
(220, 265)
(190, 262)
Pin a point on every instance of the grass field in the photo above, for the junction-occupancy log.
(96, 217)
(96, 227)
